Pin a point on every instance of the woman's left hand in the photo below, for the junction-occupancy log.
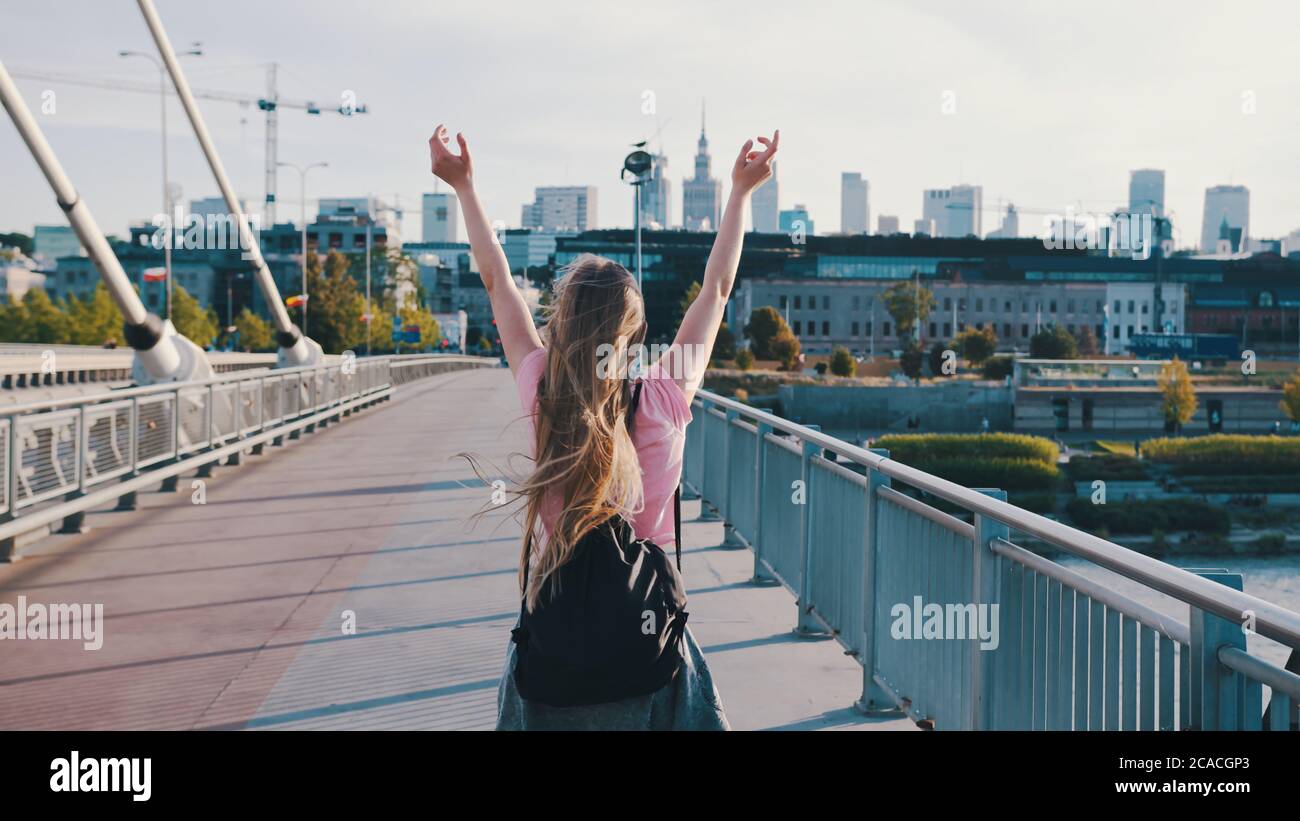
(752, 168)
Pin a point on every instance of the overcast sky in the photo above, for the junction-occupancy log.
(1053, 106)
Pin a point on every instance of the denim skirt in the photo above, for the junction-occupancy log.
(689, 702)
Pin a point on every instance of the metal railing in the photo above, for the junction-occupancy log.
(1020, 642)
(61, 457)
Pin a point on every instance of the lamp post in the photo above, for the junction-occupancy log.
(638, 164)
(302, 219)
(195, 51)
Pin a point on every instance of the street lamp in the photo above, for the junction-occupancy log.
(638, 164)
(302, 218)
(195, 51)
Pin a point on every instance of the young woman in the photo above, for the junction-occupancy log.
(602, 449)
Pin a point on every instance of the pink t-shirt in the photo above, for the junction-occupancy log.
(659, 437)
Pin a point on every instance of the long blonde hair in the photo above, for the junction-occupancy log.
(585, 459)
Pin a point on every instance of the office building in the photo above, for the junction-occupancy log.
(796, 219)
(854, 209)
(1146, 192)
(887, 225)
(954, 212)
(656, 197)
(440, 217)
(1225, 205)
(561, 208)
(49, 242)
(765, 205)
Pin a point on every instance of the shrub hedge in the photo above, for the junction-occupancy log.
(1225, 449)
(912, 448)
(998, 471)
(1147, 516)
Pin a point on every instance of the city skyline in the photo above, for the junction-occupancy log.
(968, 114)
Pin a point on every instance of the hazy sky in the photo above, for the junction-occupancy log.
(1053, 107)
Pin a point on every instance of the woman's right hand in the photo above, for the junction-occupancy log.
(456, 171)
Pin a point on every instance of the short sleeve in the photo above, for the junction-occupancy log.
(663, 397)
(530, 373)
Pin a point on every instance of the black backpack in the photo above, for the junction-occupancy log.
(613, 628)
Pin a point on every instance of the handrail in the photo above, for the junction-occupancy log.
(1283, 681)
(234, 376)
(1271, 620)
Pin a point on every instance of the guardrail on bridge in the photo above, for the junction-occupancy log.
(847, 532)
(62, 457)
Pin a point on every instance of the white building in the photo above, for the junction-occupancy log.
(18, 275)
(954, 212)
(702, 194)
(1228, 204)
(440, 218)
(854, 207)
(886, 225)
(1130, 309)
(657, 196)
(561, 208)
(1010, 228)
(765, 205)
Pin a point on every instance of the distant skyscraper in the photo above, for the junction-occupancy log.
(1230, 204)
(701, 195)
(657, 197)
(886, 225)
(765, 205)
(853, 203)
(954, 212)
(441, 222)
(794, 219)
(925, 227)
(561, 208)
(1146, 192)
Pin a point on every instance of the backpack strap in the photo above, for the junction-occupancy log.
(677, 491)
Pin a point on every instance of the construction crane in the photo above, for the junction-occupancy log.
(271, 104)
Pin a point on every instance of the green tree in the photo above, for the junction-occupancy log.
(415, 314)
(254, 332)
(842, 362)
(334, 305)
(764, 326)
(724, 344)
(1291, 398)
(1178, 397)
(95, 321)
(13, 321)
(684, 305)
(1053, 342)
(912, 359)
(744, 359)
(977, 345)
(909, 304)
(785, 348)
(191, 320)
(43, 321)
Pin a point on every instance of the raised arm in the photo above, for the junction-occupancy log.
(514, 321)
(689, 356)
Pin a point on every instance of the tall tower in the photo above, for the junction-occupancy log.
(701, 195)
(764, 205)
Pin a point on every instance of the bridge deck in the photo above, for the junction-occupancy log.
(230, 614)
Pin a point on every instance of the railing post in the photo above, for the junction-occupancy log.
(707, 513)
(807, 624)
(1214, 687)
(76, 522)
(761, 575)
(874, 700)
(12, 462)
(729, 537)
(984, 595)
(127, 501)
(170, 484)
